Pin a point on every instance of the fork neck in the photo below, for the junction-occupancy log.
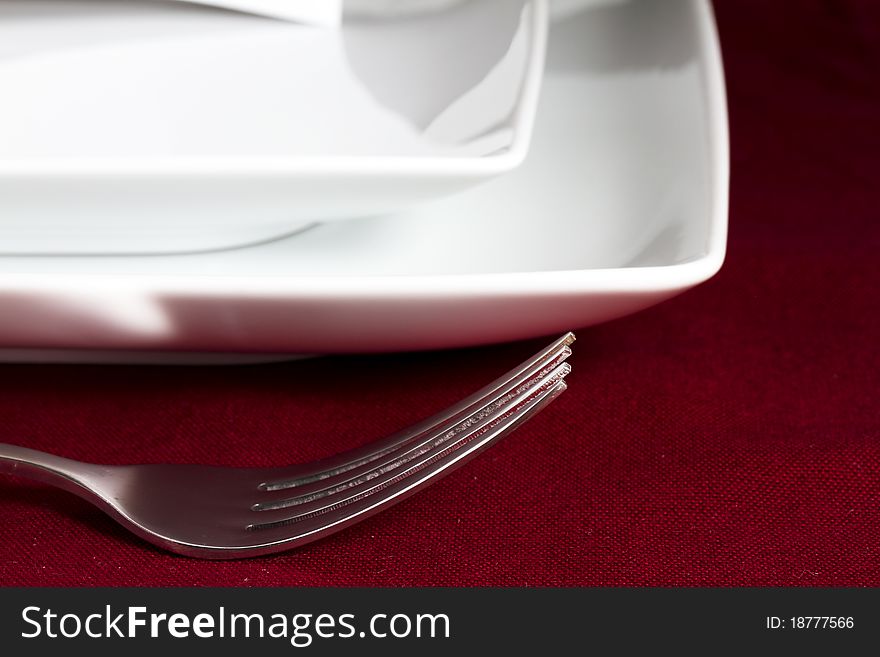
(64, 473)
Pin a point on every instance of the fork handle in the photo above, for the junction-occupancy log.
(64, 473)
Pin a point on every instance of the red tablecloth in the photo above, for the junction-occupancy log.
(728, 437)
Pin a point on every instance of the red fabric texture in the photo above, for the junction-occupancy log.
(727, 437)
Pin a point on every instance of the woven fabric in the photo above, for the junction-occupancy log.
(727, 437)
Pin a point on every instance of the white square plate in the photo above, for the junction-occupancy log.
(145, 126)
(622, 203)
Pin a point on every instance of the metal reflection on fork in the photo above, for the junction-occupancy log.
(220, 513)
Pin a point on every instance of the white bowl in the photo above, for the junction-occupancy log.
(132, 126)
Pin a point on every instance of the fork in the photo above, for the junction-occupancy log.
(223, 513)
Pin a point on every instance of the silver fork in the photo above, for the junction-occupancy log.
(222, 513)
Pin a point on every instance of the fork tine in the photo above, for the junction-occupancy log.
(390, 479)
(494, 393)
(316, 482)
(413, 449)
(350, 477)
(295, 532)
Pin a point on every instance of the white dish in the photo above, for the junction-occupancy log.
(143, 126)
(621, 204)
